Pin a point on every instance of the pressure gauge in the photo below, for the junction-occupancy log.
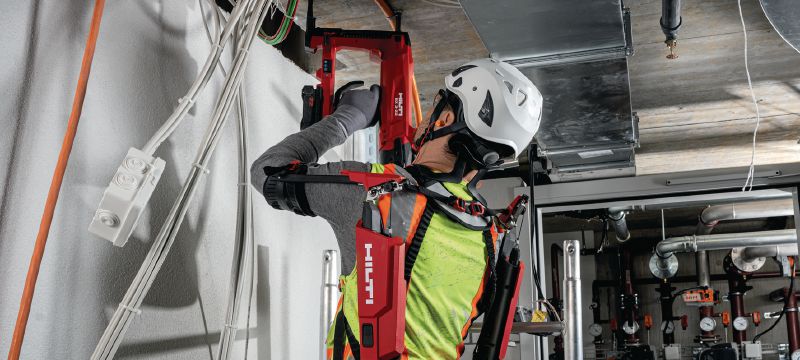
(595, 330)
(740, 323)
(667, 327)
(630, 328)
(708, 324)
(796, 355)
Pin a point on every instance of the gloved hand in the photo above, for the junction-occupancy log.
(359, 107)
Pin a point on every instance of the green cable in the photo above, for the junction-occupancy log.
(282, 31)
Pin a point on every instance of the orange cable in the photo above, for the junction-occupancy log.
(55, 186)
(389, 13)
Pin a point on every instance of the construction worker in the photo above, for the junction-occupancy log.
(488, 112)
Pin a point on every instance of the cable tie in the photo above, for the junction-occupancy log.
(231, 326)
(130, 309)
(201, 168)
(186, 99)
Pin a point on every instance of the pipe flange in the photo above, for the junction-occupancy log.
(746, 265)
(663, 268)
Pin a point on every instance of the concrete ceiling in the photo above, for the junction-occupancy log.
(695, 112)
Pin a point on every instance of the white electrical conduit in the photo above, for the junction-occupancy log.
(121, 320)
(187, 102)
(693, 243)
(752, 253)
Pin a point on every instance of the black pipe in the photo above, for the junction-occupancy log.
(665, 290)
(671, 19)
(555, 252)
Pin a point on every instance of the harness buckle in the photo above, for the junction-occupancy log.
(477, 208)
(460, 205)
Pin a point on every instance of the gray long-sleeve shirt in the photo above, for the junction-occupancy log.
(339, 204)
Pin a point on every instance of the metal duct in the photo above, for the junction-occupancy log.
(784, 15)
(575, 52)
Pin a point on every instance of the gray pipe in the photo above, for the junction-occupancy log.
(748, 210)
(620, 225)
(752, 253)
(573, 329)
(694, 243)
(670, 18)
(701, 263)
(330, 293)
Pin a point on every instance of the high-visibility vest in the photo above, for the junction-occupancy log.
(447, 267)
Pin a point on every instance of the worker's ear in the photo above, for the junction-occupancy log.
(446, 118)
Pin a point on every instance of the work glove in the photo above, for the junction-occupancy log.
(357, 108)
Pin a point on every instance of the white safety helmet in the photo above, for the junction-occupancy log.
(499, 104)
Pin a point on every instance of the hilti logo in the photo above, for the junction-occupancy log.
(368, 274)
(398, 104)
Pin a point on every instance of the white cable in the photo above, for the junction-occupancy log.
(121, 320)
(199, 84)
(748, 184)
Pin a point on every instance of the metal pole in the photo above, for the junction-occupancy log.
(330, 294)
(573, 329)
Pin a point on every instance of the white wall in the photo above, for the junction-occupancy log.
(148, 53)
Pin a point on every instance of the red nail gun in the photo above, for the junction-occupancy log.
(393, 50)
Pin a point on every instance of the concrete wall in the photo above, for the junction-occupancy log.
(148, 53)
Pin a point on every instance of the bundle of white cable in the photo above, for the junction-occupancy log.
(187, 102)
(121, 320)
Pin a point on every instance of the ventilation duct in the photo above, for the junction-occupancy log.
(575, 52)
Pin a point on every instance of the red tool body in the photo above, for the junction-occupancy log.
(392, 49)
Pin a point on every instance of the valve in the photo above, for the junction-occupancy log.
(684, 322)
(648, 321)
(756, 318)
(726, 319)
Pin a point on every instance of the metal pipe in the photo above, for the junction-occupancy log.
(555, 252)
(665, 290)
(752, 253)
(712, 215)
(704, 279)
(736, 287)
(620, 225)
(792, 324)
(330, 292)
(693, 243)
(671, 18)
(573, 331)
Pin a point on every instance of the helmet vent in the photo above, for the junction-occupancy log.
(462, 69)
(458, 82)
(486, 113)
(509, 85)
(521, 98)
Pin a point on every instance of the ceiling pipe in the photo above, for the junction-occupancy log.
(695, 243)
(712, 215)
(753, 253)
(619, 223)
(670, 23)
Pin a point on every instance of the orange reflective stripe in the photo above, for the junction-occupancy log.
(348, 353)
(416, 216)
(473, 314)
(493, 231)
(329, 353)
(385, 205)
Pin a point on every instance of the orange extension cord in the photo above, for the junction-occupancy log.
(389, 13)
(55, 186)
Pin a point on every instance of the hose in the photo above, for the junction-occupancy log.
(55, 185)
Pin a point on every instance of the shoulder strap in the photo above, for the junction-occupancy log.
(416, 242)
(491, 277)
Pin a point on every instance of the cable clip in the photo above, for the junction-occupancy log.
(187, 100)
(130, 309)
(202, 168)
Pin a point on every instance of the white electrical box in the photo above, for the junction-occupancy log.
(126, 196)
(672, 352)
(752, 350)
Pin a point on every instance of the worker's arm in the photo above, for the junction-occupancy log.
(356, 111)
